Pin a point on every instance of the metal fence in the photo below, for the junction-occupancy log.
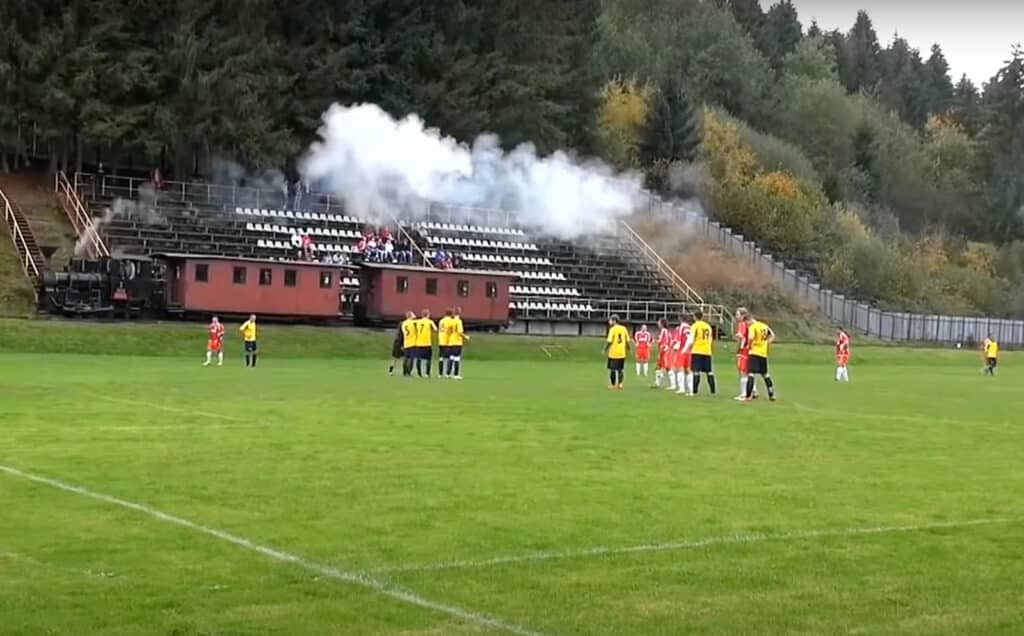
(850, 312)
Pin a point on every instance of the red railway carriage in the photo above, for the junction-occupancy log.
(217, 284)
(388, 291)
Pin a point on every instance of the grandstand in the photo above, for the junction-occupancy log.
(557, 280)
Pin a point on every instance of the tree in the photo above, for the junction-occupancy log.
(902, 87)
(1002, 147)
(965, 105)
(861, 66)
(748, 15)
(814, 59)
(938, 85)
(622, 118)
(671, 133)
(780, 32)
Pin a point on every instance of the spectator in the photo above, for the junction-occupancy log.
(456, 261)
(297, 244)
(307, 246)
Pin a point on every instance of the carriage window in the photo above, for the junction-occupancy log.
(463, 288)
(326, 278)
(290, 278)
(266, 277)
(402, 284)
(202, 272)
(432, 286)
(492, 289)
(240, 274)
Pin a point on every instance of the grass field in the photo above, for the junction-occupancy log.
(143, 494)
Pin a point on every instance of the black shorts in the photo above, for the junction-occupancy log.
(443, 352)
(455, 351)
(757, 365)
(397, 351)
(700, 363)
(991, 362)
(616, 364)
(250, 346)
(424, 353)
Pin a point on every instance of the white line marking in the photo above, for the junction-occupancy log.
(356, 578)
(736, 539)
(172, 409)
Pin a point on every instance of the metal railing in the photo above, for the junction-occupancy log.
(663, 268)
(600, 309)
(79, 216)
(29, 265)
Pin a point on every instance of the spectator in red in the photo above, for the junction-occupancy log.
(385, 235)
(307, 246)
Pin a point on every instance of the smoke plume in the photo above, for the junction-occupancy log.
(378, 164)
(143, 210)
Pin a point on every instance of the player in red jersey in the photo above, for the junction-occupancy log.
(664, 355)
(642, 340)
(743, 350)
(842, 355)
(215, 344)
(681, 362)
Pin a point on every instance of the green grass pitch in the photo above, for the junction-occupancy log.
(143, 494)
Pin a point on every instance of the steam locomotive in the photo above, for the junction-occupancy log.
(107, 288)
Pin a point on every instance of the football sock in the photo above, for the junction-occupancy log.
(646, 368)
(743, 387)
(611, 378)
(679, 383)
(638, 369)
(657, 377)
(220, 357)
(750, 387)
(771, 386)
(711, 383)
(673, 376)
(427, 364)
(419, 367)
(254, 356)
(407, 366)
(689, 381)
(248, 360)
(839, 373)
(696, 383)
(456, 366)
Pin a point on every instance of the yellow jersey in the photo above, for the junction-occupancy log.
(618, 342)
(444, 331)
(408, 333)
(425, 329)
(703, 336)
(759, 335)
(991, 348)
(248, 330)
(457, 337)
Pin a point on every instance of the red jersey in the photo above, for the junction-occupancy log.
(681, 335)
(843, 344)
(742, 332)
(643, 339)
(664, 339)
(216, 332)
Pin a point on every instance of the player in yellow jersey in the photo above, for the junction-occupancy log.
(616, 346)
(456, 339)
(991, 351)
(408, 328)
(248, 330)
(700, 347)
(760, 337)
(444, 330)
(425, 329)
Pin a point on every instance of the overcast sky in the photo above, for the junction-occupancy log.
(975, 35)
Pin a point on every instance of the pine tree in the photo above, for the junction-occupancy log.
(671, 132)
(748, 14)
(939, 86)
(1002, 146)
(903, 86)
(965, 105)
(780, 32)
(861, 68)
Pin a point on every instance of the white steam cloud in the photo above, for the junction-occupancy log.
(377, 164)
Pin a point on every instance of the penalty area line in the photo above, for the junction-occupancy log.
(692, 544)
(361, 579)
